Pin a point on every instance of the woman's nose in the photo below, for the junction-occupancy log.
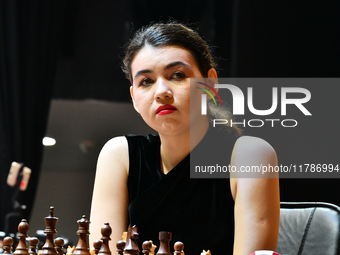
(163, 90)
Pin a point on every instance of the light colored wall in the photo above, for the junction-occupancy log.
(67, 175)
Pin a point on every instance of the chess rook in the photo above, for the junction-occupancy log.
(82, 247)
(50, 231)
(164, 247)
(22, 247)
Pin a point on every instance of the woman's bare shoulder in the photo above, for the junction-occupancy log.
(114, 143)
(256, 195)
(110, 192)
(251, 145)
(115, 153)
(253, 153)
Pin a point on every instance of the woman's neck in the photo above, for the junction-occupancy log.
(175, 148)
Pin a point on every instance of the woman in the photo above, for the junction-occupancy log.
(145, 180)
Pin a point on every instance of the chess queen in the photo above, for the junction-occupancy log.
(145, 180)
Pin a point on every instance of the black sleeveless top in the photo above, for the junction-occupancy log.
(198, 212)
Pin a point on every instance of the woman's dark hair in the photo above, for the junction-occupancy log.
(175, 34)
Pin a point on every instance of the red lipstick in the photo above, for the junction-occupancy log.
(165, 109)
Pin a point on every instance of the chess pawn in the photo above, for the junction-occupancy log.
(22, 247)
(96, 246)
(120, 247)
(131, 246)
(179, 247)
(59, 243)
(164, 247)
(50, 231)
(8, 242)
(33, 242)
(106, 232)
(147, 245)
(82, 247)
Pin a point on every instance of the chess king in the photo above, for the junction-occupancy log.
(145, 180)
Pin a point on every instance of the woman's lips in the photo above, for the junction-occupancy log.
(165, 109)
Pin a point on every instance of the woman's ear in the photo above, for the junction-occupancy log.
(133, 101)
(212, 75)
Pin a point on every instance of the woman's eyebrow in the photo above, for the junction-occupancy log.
(142, 72)
(177, 63)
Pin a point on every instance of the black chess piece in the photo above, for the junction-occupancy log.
(179, 247)
(33, 242)
(164, 247)
(8, 242)
(147, 245)
(106, 232)
(59, 243)
(50, 231)
(96, 246)
(120, 247)
(131, 246)
(82, 247)
(22, 247)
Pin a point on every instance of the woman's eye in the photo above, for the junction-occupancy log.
(146, 82)
(178, 75)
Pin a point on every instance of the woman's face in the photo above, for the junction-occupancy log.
(161, 87)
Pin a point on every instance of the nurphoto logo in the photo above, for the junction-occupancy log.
(238, 107)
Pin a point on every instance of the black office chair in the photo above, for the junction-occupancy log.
(309, 228)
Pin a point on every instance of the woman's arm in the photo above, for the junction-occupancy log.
(257, 199)
(110, 193)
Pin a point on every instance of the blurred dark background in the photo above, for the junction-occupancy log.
(60, 76)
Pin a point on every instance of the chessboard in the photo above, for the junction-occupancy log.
(127, 246)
